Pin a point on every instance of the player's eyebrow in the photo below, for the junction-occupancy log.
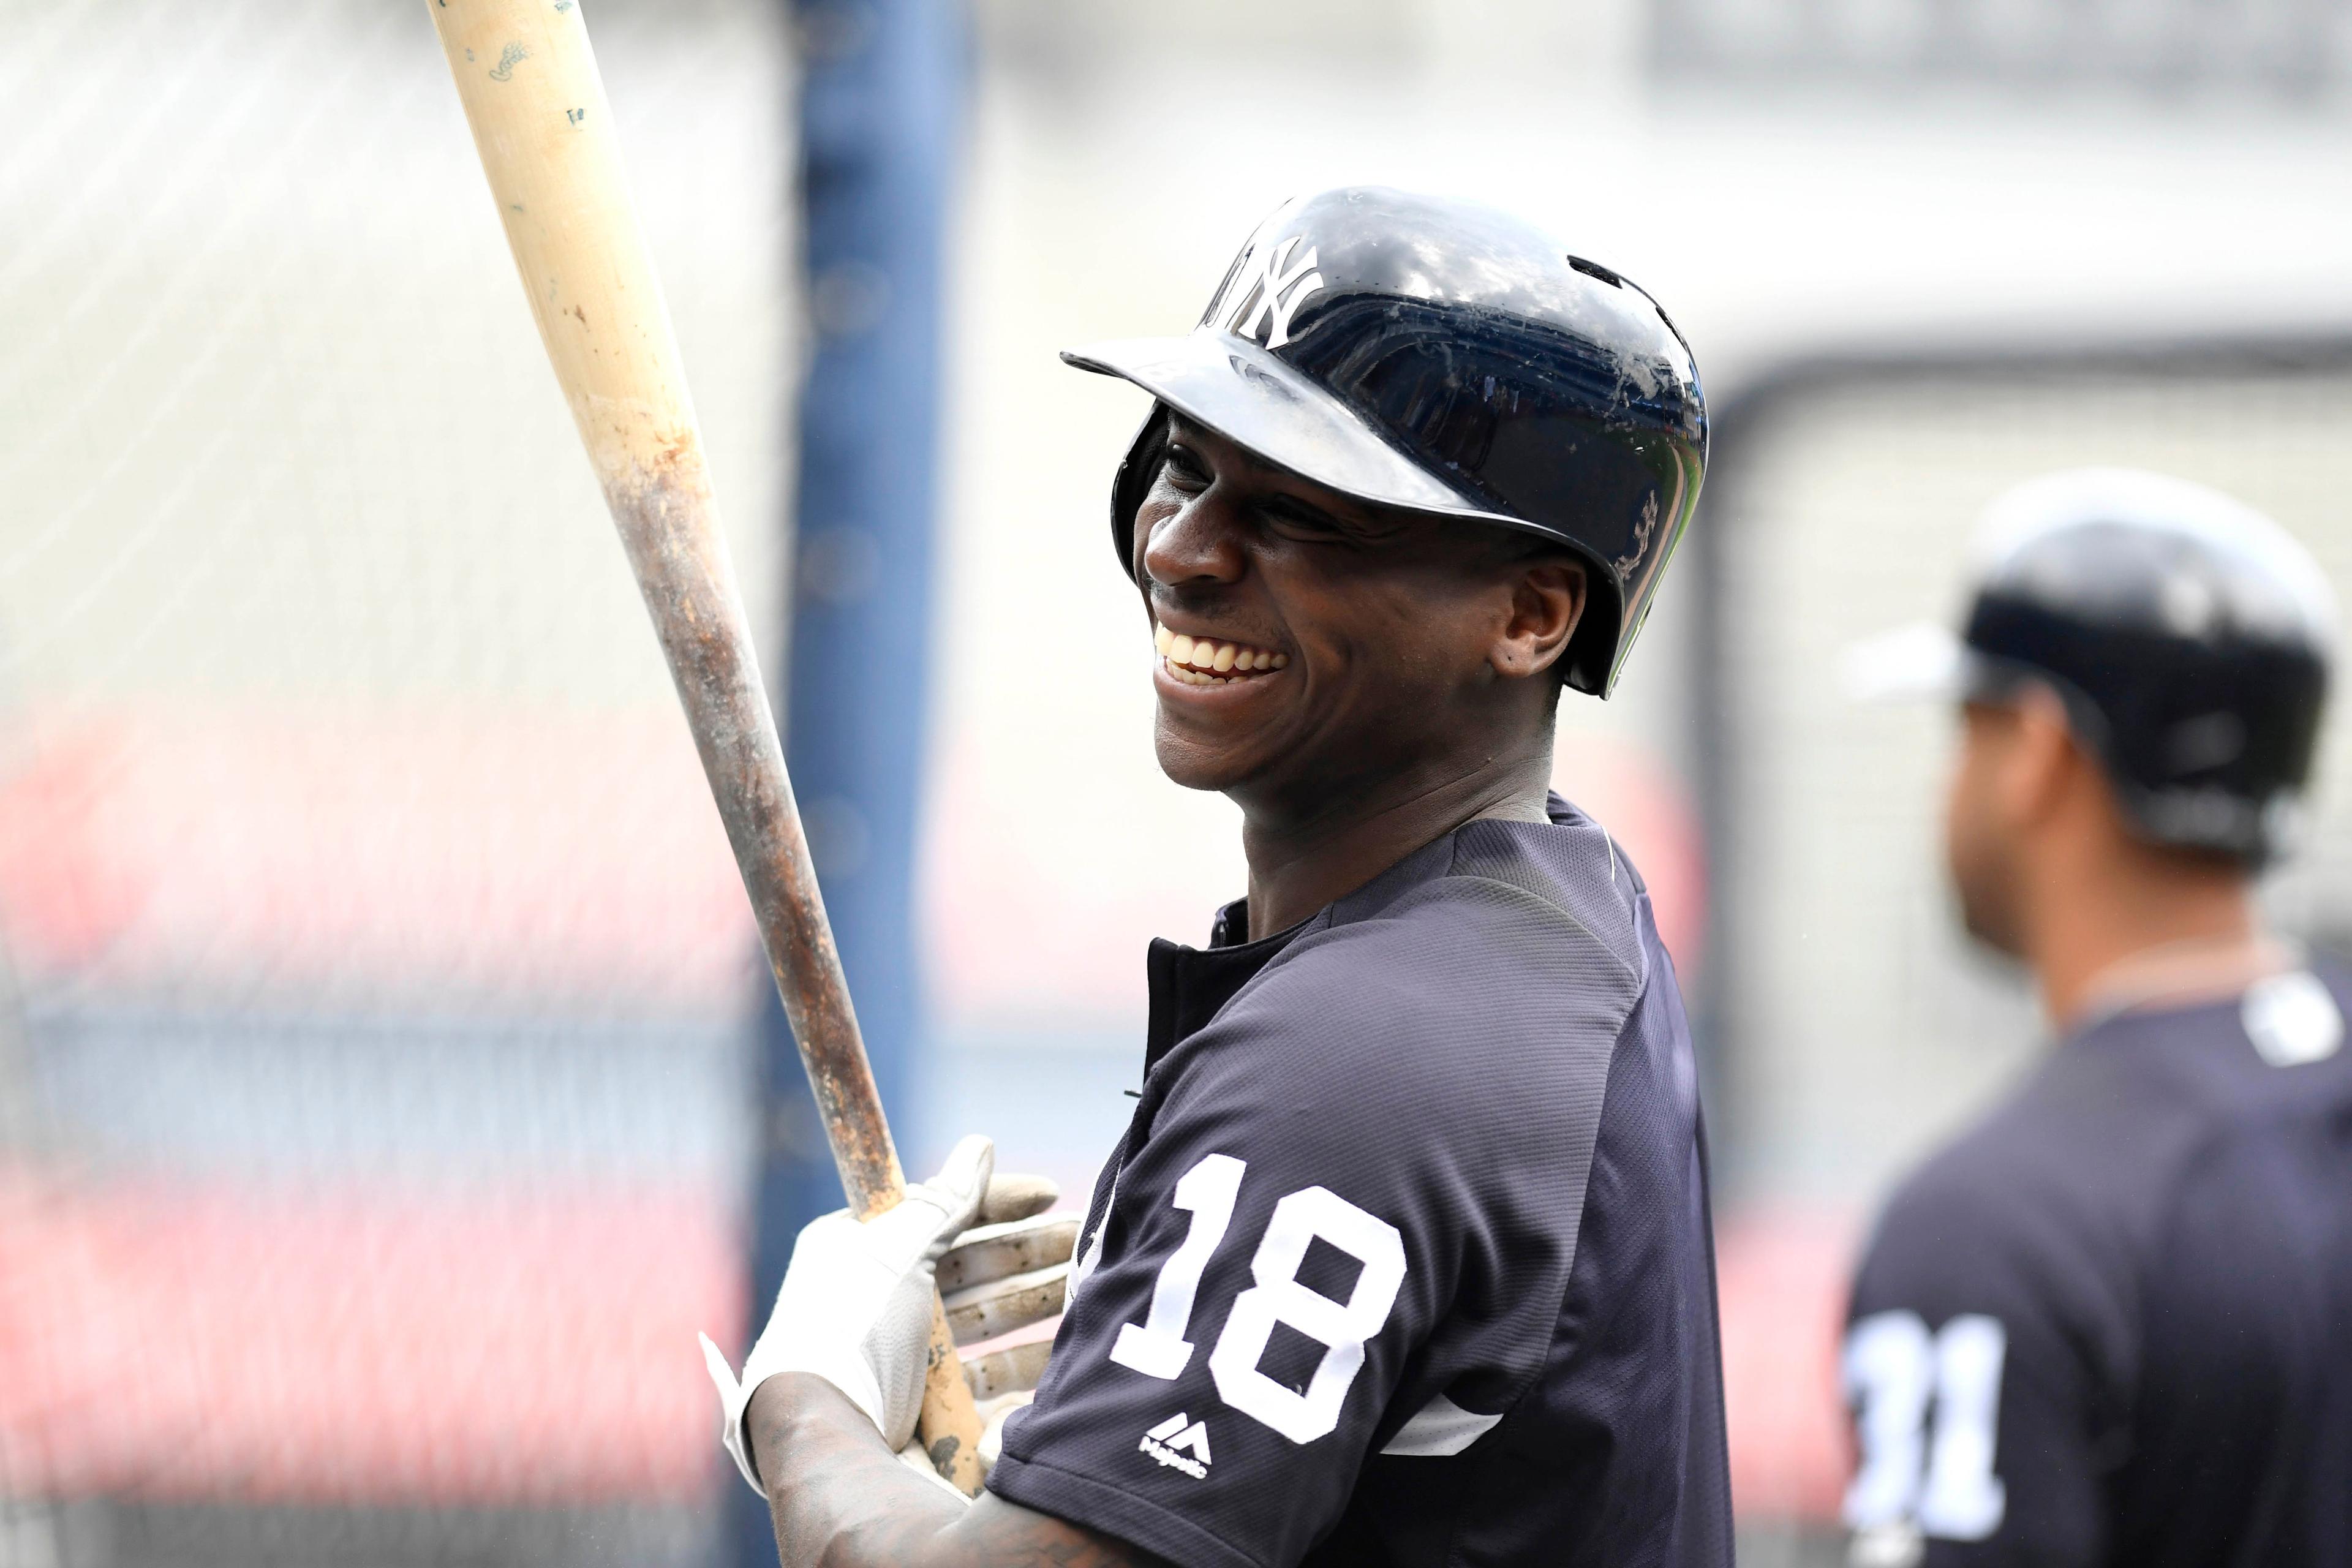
(1181, 430)
(1298, 508)
(1287, 504)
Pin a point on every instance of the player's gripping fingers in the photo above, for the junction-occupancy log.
(989, 1252)
(1016, 1195)
(998, 1277)
(999, 1306)
(1013, 1369)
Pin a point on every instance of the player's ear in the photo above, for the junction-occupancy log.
(1548, 593)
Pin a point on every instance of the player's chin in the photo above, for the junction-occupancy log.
(1213, 733)
(1197, 752)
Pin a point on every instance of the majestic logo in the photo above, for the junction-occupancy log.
(1167, 1442)
(1271, 288)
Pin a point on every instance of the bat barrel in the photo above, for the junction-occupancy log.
(537, 106)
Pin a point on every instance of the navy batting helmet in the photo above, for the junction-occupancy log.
(1447, 358)
(2188, 637)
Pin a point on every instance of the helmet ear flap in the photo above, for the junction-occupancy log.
(1133, 482)
(1584, 664)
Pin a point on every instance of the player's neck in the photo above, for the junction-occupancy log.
(1298, 862)
(2145, 931)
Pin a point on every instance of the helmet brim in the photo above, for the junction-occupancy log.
(1922, 662)
(1256, 400)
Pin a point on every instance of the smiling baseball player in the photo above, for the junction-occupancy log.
(1405, 1256)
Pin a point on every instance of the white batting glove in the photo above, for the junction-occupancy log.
(856, 1306)
(1006, 1273)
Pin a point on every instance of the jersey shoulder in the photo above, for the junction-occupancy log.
(1526, 902)
(1501, 956)
(2031, 1202)
(1569, 865)
(2080, 1171)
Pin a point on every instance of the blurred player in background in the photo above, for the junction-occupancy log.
(2109, 1325)
(1405, 1256)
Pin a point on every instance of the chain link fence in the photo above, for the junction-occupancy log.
(374, 981)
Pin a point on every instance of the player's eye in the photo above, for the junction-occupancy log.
(1183, 470)
(1294, 518)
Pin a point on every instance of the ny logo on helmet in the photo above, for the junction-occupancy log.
(1270, 293)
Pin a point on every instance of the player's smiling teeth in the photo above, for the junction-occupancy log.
(1203, 661)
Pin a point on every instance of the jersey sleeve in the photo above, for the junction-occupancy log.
(1331, 1219)
(1972, 1371)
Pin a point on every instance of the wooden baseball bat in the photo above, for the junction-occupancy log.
(540, 122)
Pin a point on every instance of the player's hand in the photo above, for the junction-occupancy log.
(1008, 1272)
(855, 1308)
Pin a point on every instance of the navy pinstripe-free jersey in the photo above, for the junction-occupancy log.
(1405, 1257)
(2113, 1323)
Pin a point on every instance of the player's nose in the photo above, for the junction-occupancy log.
(1200, 543)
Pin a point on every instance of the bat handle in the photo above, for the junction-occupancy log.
(949, 1427)
(825, 1025)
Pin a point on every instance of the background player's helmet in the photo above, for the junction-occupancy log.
(2188, 635)
(1445, 357)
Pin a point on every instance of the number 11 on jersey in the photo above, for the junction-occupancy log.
(1938, 1475)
